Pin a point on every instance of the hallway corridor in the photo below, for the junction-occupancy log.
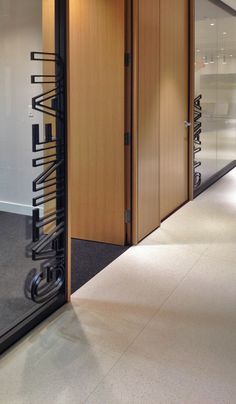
(158, 325)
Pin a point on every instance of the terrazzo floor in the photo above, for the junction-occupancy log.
(158, 325)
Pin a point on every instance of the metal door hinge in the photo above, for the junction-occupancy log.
(127, 139)
(128, 59)
(127, 216)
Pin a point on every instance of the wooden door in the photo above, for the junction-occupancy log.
(146, 113)
(97, 108)
(173, 105)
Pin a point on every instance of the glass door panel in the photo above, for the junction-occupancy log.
(215, 74)
(32, 164)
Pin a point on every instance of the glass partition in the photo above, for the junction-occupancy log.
(32, 165)
(215, 89)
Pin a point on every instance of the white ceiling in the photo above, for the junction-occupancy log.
(231, 3)
(211, 39)
(206, 9)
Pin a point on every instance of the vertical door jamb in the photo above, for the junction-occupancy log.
(128, 120)
(191, 92)
(135, 92)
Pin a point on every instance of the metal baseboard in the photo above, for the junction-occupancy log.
(215, 178)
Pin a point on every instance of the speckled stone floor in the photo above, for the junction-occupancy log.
(158, 325)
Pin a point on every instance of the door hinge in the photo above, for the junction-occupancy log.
(127, 139)
(128, 59)
(127, 216)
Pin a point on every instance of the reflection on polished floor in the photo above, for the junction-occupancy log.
(158, 325)
(217, 151)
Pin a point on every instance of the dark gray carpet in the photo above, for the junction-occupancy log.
(88, 258)
(15, 269)
(16, 266)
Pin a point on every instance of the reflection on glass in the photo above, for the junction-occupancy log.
(215, 80)
(23, 26)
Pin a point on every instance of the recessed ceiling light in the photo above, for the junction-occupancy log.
(197, 50)
(212, 24)
(231, 56)
(224, 33)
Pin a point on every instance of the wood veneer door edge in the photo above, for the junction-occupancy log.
(135, 92)
(136, 205)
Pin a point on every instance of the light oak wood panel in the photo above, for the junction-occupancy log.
(146, 117)
(48, 23)
(174, 105)
(97, 46)
(48, 36)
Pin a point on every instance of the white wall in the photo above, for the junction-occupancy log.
(224, 95)
(20, 33)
